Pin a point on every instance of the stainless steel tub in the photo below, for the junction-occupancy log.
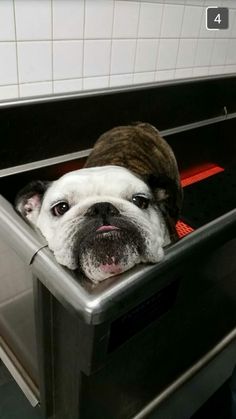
(137, 345)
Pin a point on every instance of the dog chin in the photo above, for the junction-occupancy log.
(97, 270)
(110, 253)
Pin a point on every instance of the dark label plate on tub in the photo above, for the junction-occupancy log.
(142, 315)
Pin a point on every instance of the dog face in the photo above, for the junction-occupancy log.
(101, 220)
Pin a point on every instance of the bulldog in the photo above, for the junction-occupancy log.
(118, 211)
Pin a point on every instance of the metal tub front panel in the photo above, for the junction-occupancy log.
(77, 320)
(17, 316)
(18, 347)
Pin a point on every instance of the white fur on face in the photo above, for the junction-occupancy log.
(66, 234)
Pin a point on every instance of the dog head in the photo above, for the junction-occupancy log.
(102, 220)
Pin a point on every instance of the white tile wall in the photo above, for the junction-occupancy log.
(164, 75)
(168, 50)
(146, 55)
(57, 46)
(219, 52)
(200, 71)
(146, 77)
(34, 61)
(121, 80)
(231, 53)
(233, 23)
(98, 19)
(70, 85)
(122, 56)
(183, 73)
(8, 67)
(67, 59)
(186, 53)
(8, 92)
(150, 20)
(7, 29)
(172, 21)
(33, 19)
(95, 82)
(96, 57)
(216, 70)
(126, 16)
(191, 22)
(67, 19)
(203, 53)
(36, 89)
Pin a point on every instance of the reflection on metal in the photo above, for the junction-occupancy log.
(110, 90)
(19, 374)
(84, 153)
(43, 163)
(199, 124)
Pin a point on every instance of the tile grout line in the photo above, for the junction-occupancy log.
(197, 43)
(83, 46)
(111, 47)
(16, 45)
(195, 47)
(116, 74)
(52, 46)
(115, 38)
(211, 54)
(136, 43)
(158, 46)
(179, 39)
(233, 72)
(213, 37)
(228, 44)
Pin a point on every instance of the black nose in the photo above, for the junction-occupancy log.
(102, 209)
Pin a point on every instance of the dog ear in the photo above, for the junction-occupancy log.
(29, 200)
(168, 195)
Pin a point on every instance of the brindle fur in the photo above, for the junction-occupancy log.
(142, 150)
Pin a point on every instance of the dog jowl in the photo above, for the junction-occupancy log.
(101, 220)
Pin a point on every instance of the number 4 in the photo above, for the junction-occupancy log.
(217, 18)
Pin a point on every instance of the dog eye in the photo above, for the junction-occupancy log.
(60, 209)
(140, 201)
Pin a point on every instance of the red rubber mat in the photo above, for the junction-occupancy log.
(200, 175)
(183, 229)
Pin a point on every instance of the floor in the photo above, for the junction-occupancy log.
(14, 405)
